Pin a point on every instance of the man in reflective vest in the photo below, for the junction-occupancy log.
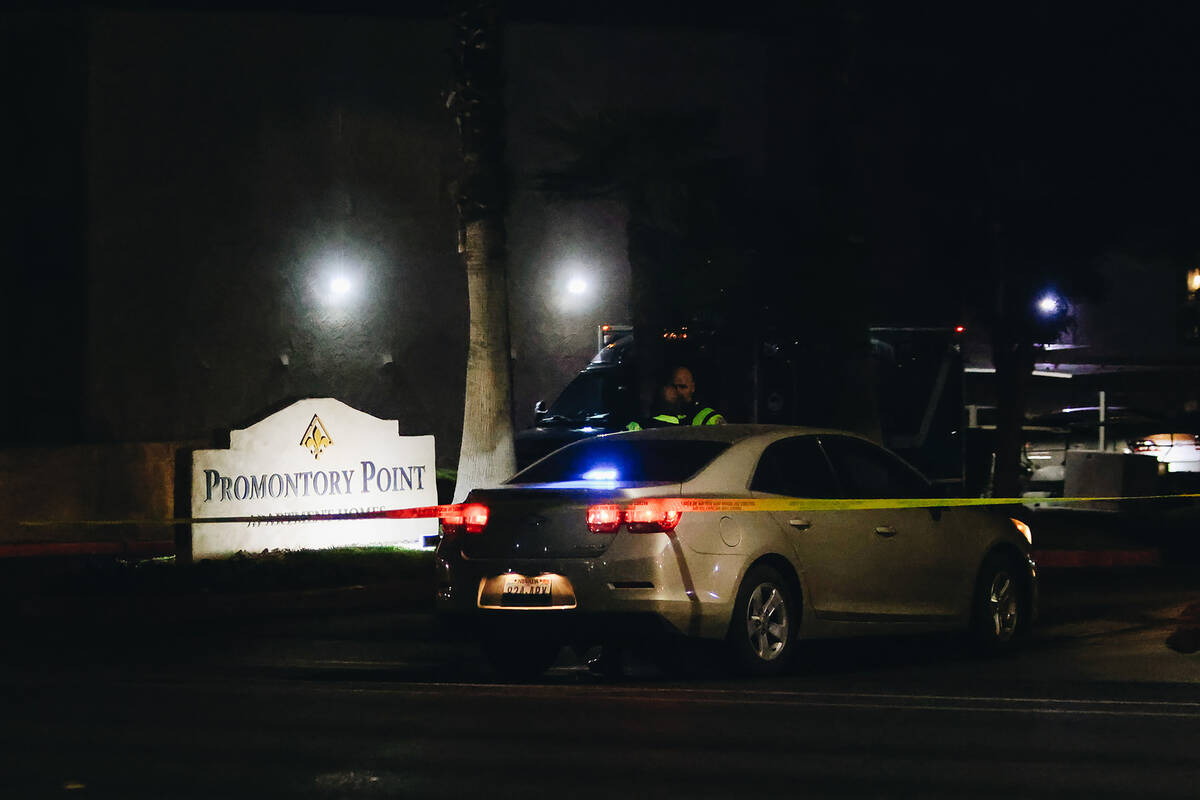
(690, 411)
(668, 408)
(678, 406)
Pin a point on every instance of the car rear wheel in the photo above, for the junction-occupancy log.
(762, 633)
(520, 659)
(1001, 613)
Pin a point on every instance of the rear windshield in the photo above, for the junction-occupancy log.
(609, 461)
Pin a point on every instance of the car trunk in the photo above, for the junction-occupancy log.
(546, 523)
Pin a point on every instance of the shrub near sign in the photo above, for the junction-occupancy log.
(317, 456)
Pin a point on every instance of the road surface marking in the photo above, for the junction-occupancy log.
(847, 700)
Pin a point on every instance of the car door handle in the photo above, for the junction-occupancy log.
(885, 531)
(800, 524)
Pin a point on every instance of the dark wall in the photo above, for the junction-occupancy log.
(558, 70)
(238, 164)
(42, 75)
(226, 166)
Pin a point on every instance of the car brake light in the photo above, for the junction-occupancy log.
(452, 521)
(604, 519)
(470, 518)
(475, 517)
(651, 517)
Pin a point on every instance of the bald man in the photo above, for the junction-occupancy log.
(686, 408)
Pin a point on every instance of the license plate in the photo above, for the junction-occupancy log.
(511, 590)
(523, 586)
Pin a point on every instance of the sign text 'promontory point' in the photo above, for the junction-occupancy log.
(312, 482)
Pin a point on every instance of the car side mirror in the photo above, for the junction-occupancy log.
(539, 411)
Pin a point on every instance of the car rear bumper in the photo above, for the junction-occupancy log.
(647, 591)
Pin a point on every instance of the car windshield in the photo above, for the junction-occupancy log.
(615, 461)
(585, 396)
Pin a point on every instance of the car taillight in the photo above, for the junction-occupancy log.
(651, 517)
(475, 517)
(604, 518)
(452, 522)
(470, 518)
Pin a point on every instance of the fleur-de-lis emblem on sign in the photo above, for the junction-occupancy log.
(316, 438)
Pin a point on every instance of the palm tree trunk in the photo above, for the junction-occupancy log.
(486, 456)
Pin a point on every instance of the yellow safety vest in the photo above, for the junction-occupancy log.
(708, 416)
(668, 419)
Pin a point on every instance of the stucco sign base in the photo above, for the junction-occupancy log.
(315, 456)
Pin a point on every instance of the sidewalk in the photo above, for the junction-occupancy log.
(81, 593)
(149, 609)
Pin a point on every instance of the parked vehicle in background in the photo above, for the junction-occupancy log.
(602, 398)
(601, 542)
(1180, 452)
(918, 378)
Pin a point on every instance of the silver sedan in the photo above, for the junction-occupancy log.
(726, 533)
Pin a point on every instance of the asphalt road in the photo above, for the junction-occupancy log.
(372, 705)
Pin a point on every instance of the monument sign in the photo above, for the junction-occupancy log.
(317, 456)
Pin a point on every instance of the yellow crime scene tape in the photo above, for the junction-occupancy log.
(681, 504)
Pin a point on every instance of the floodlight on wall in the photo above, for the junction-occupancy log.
(1049, 304)
(337, 283)
(576, 286)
